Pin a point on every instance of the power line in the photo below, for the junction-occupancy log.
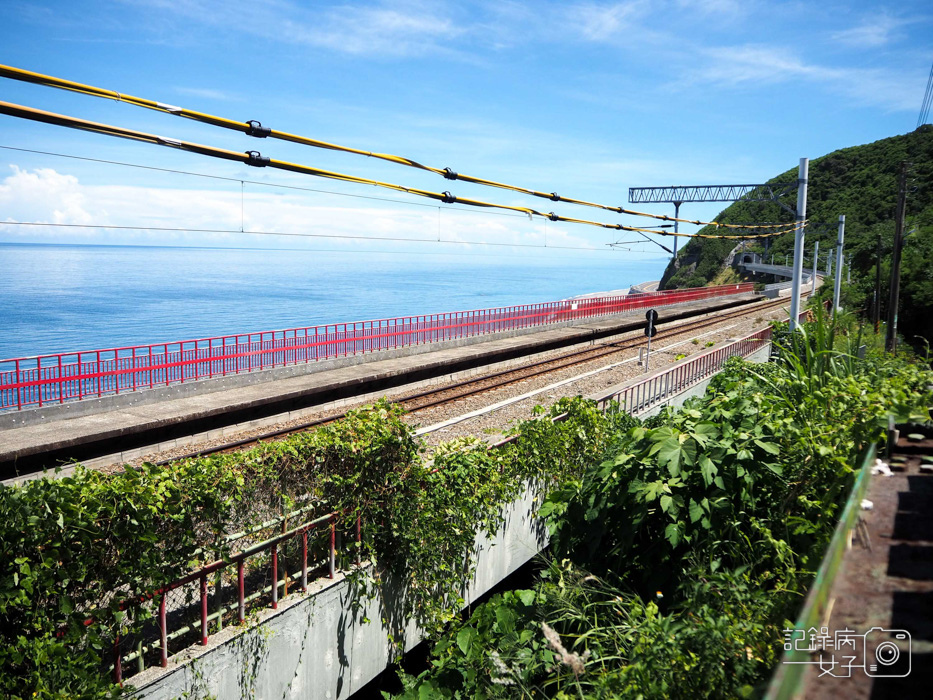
(255, 159)
(394, 239)
(252, 182)
(291, 187)
(927, 99)
(256, 129)
(340, 251)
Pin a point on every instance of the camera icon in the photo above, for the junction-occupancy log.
(887, 653)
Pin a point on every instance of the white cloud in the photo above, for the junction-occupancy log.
(722, 8)
(207, 93)
(44, 195)
(390, 29)
(735, 66)
(209, 217)
(874, 31)
(410, 29)
(597, 22)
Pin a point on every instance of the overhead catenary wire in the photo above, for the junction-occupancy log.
(261, 183)
(274, 185)
(254, 232)
(254, 158)
(927, 100)
(176, 171)
(255, 128)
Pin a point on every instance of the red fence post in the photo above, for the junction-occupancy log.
(117, 661)
(163, 633)
(275, 577)
(359, 540)
(241, 593)
(204, 610)
(333, 552)
(304, 561)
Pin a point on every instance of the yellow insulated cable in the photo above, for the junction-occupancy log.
(255, 159)
(255, 128)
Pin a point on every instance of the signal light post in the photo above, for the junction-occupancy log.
(651, 330)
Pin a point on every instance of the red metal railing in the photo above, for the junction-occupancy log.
(635, 399)
(182, 610)
(191, 618)
(45, 379)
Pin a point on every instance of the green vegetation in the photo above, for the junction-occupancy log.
(67, 545)
(680, 544)
(860, 182)
(677, 560)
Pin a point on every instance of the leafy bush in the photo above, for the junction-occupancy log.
(575, 635)
(708, 521)
(73, 548)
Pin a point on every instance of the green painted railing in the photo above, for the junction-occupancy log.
(788, 678)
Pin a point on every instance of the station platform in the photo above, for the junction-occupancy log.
(117, 429)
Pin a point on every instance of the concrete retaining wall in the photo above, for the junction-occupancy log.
(320, 645)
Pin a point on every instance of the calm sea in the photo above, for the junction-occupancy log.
(61, 298)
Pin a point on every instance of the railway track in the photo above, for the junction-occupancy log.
(488, 382)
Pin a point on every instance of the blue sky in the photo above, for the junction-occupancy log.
(583, 98)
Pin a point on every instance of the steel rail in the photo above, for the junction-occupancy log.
(471, 386)
(697, 368)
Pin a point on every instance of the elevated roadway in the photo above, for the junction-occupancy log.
(778, 288)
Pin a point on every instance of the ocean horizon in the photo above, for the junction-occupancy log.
(69, 297)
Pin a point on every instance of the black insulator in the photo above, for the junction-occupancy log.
(257, 159)
(448, 198)
(450, 174)
(555, 197)
(257, 129)
(553, 217)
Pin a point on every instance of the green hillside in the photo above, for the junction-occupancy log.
(860, 182)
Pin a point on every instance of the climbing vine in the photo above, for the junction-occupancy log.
(73, 548)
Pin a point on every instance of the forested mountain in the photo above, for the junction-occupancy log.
(860, 182)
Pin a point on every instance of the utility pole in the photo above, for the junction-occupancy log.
(829, 263)
(876, 307)
(802, 173)
(891, 338)
(676, 229)
(838, 286)
(816, 258)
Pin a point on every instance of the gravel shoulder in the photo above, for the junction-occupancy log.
(490, 426)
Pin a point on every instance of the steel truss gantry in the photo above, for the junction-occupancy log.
(678, 194)
(712, 193)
